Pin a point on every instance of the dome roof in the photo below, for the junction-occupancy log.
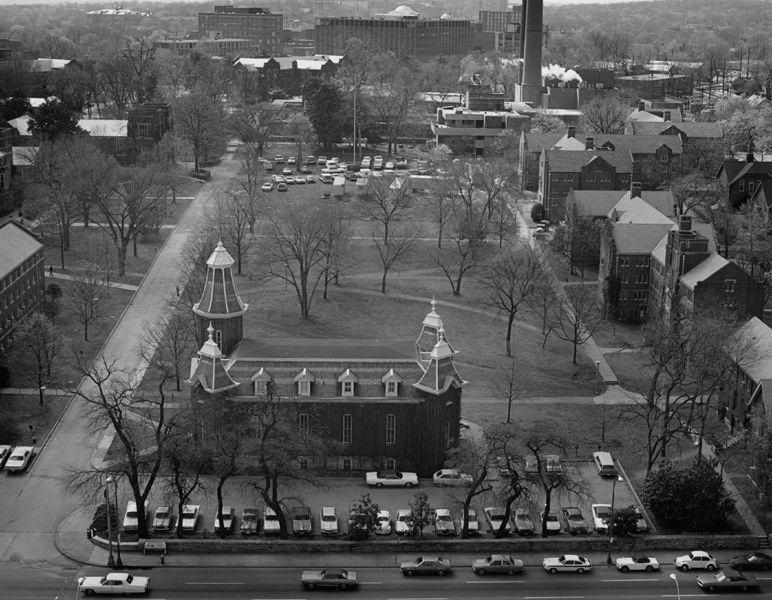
(404, 11)
(445, 17)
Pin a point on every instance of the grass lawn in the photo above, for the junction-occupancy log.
(25, 422)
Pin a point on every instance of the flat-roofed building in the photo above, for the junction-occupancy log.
(260, 25)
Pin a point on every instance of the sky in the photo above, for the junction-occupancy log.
(128, 3)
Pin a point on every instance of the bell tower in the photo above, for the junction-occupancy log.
(220, 305)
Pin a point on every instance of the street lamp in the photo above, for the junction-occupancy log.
(118, 561)
(110, 559)
(677, 588)
(609, 560)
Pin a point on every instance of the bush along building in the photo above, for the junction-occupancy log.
(386, 405)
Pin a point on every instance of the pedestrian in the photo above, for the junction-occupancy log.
(50, 270)
(178, 291)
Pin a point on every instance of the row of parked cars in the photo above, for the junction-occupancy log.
(15, 459)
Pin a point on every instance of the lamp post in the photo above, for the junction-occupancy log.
(609, 560)
(677, 588)
(118, 561)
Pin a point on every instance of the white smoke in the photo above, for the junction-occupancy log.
(559, 73)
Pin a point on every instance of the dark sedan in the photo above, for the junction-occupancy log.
(755, 561)
(727, 579)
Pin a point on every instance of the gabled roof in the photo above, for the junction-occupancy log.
(692, 129)
(764, 193)
(17, 244)
(105, 127)
(708, 267)
(643, 116)
(634, 209)
(536, 142)
(638, 238)
(759, 365)
(704, 229)
(572, 161)
(752, 168)
(44, 65)
(636, 144)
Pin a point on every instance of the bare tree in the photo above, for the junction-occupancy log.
(249, 182)
(38, 338)
(193, 267)
(467, 235)
(542, 301)
(575, 316)
(198, 120)
(337, 241)
(607, 114)
(509, 384)
(170, 342)
(754, 229)
(303, 135)
(474, 457)
(235, 221)
(504, 442)
(88, 293)
(255, 124)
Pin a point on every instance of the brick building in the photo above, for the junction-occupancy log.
(388, 405)
(743, 178)
(289, 73)
(702, 142)
(260, 25)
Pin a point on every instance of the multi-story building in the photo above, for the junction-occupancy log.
(289, 73)
(260, 25)
(224, 47)
(22, 277)
(467, 131)
(743, 178)
(702, 142)
(403, 32)
(388, 405)
(506, 26)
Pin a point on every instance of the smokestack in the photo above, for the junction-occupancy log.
(666, 115)
(533, 29)
(589, 143)
(635, 189)
(571, 131)
(522, 34)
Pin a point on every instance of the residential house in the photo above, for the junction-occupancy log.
(389, 405)
(762, 197)
(742, 179)
(703, 142)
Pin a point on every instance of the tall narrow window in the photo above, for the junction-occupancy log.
(391, 429)
(218, 337)
(304, 426)
(348, 424)
(304, 388)
(729, 290)
(390, 464)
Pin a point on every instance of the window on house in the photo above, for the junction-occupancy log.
(348, 424)
(391, 429)
(218, 337)
(390, 464)
(741, 186)
(391, 388)
(347, 464)
(729, 291)
(751, 185)
(260, 388)
(304, 387)
(348, 388)
(305, 426)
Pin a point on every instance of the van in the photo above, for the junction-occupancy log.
(605, 464)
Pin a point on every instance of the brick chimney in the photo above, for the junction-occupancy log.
(589, 143)
(666, 115)
(641, 106)
(635, 189)
(571, 133)
(684, 224)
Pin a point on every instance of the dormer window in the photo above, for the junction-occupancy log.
(347, 382)
(303, 381)
(391, 383)
(261, 382)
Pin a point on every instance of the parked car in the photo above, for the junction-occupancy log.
(637, 563)
(227, 520)
(310, 160)
(601, 516)
(336, 579)
(523, 522)
(162, 518)
(310, 179)
(473, 525)
(503, 465)
(727, 579)
(696, 559)
(391, 479)
(301, 521)
(451, 477)
(497, 563)
(114, 584)
(326, 178)
(552, 464)
(328, 520)
(189, 516)
(403, 524)
(426, 565)
(322, 160)
(443, 522)
(268, 165)
(755, 561)
(282, 187)
(267, 187)
(574, 520)
(249, 521)
(5, 452)
(568, 563)
(131, 518)
(495, 516)
(531, 465)
(291, 160)
(271, 524)
(278, 159)
(19, 458)
(389, 166)
(326, 195)
(553, 524)
(384, 523)
(286, 171)
(640, 522)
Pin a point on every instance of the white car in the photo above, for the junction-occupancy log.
(391, 479)
(227, 519)
(19, 458)
(114, 584)
(601, 516)
(5, 452)
(495, 516)
(553, 524)
(189, 517)
(267, 187)
(328, 520)
(403, 524)
(637, 563)
(443, 522)
(131, 518)
(162, 520)
(451, 477)
(696, 559)
(271, 525)
(568, 563)
(523, 522)
(384, 523)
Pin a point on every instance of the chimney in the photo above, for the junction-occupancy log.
(532, 30)
(589, 143)
(749, 158)
(666, 115)
(635, 189)
(684, 224)
(641, 106)
(571, 131)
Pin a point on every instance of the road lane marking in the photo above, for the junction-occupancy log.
(682, 596)
(552, 597)
(416, 598)
(214, 583)
(495, 581)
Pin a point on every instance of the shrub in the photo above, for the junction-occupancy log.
(99, 522)
(537, 212)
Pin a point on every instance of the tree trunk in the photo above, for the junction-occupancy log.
(383, 281)
(121, 250)
(510, 321)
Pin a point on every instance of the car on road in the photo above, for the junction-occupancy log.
(114, 584)
(755, 561)
(336, 579)
(696, 559)
(271, 523)
(162, 518)
(495, 516)
(403, 524)
(328, 520)
(384, 523)
(131, 518)
(727, 580)
(19, 458)
(189, 516)
(301, 521)
(227, 520)
(638, 562)
(553, 523)
(391, 479)
(568, 563)
(282, 187)
(451, 477)
(267, 187)
(523, 522)
(5, 452)
(426, 565)
(249, 520)
(497, 563)
(574, 520)
(443, 522)
(601, 516)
